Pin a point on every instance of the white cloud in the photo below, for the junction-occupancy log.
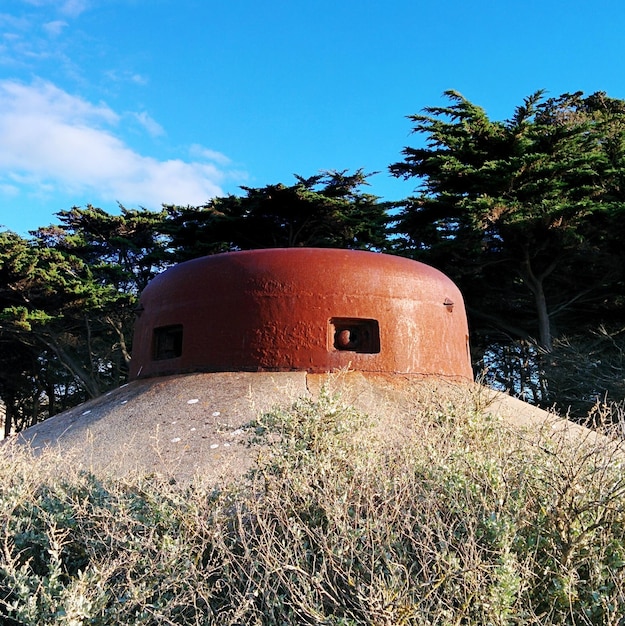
(138, 79)
(54, 28)
(36, 34)
(12, 21)
(149, 123)
(49, 137)
(71, 8)
(9, 190)
(116, 76)
(200, 152)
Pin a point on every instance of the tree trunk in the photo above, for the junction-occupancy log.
(121, 339)
(8, 415)
(72, 365)
(536, 285)
(544, 324)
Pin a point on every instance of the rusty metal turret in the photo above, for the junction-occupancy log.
(301, 309)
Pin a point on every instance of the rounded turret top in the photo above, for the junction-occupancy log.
(306, 309)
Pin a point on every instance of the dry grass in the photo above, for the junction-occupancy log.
(459, 521)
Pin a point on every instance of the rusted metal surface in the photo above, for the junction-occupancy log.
(303, 309)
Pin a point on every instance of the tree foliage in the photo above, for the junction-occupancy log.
(67, 299)
(45, 297)
(326, 210)
(125, 251)
(68, 293)
(525, 214)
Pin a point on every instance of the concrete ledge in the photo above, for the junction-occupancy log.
(192, 425)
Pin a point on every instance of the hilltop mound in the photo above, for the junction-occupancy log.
(196, 425)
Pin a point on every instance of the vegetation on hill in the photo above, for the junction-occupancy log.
(460, 520)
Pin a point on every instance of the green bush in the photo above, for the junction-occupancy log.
(460, 520)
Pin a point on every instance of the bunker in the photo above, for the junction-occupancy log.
(301, 309)
(242, 333)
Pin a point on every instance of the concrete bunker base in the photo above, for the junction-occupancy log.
(193, 426)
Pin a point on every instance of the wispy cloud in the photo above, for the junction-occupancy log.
(200, 152)
(29, 39)
(41, 31)
(55, 28)
(8, 20)
(149, 124)
(71, 8)
(116, 76)
(50, 139)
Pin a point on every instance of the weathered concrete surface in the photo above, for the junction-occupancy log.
(187, 426)
(176, 426)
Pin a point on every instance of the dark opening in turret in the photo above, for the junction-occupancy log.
(355, 335)
(167, 342)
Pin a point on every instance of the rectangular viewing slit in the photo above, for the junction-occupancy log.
(167, 342)
(352, 334)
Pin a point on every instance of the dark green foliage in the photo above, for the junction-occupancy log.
(68, 293)
(520, 202)
(326, 210)
(525, 214)
(46, 297)
(67, 300)
(124, 251)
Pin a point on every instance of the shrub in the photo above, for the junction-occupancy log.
(461, 520)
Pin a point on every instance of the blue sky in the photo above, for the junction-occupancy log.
(144, 102)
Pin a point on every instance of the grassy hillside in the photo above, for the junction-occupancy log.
(460, 520)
